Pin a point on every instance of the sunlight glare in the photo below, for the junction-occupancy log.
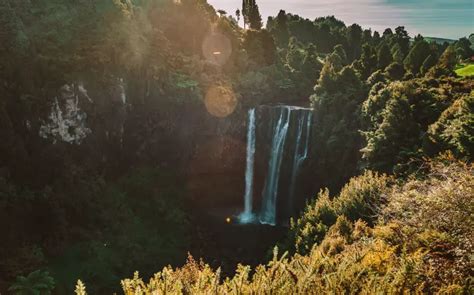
(220, 101)
(217, 48)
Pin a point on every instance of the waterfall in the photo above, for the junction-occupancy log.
(287, 131)
(268, 212)
(247, 216)
(300, 154)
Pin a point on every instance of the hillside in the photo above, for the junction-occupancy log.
(439, 40)
(400, 245)
(135, 134)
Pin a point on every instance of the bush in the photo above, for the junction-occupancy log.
(361, 199)
(421, 243)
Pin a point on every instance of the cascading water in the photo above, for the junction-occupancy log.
(300, 154)
(290, 137)
(268, 212)
(247, 216)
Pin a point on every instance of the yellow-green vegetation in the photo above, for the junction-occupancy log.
(465, 70)
(120, 174)
(421, 241)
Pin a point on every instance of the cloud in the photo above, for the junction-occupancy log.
(443, 18)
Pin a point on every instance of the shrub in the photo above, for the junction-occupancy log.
(420, 244)
(37, 282)
(359, 199)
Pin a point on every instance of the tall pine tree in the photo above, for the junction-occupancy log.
(251, 14)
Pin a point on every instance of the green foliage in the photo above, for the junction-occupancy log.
(339, 50)
(367, 62)
(399, 116)
(325, 32)
(384, 57)
(395, 71)
(397, 126)
(454, 129)
(251, 14)
(465, 71)
(78, 210)
(397, 54)
(445, 65)
(260, 48)
(36, 283)
(400, 253)
(336, 98)
(280, 28)
(361, 199)
(417, 56)
(429, 62)
(141, 218)
(463, 49)
(376, 77)
(354, 41)
(303, 67)
(402, 39)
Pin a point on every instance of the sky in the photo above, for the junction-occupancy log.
(432, 18)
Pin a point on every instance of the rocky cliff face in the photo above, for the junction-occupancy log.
(207, 150)
(104, 118)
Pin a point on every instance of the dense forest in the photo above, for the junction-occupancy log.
(122, 121)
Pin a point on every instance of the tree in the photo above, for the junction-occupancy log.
(237, 15)
(281, 29)
(354, 41)
(245, 12)
(367, 36)
(376, 38)
(418, 38)
(310, 70)
(448, 58)
(418, 54)
(251, 14)
(336, 102)
(376, 77)
(397, 132)
(429, 62)
(402, 39)
(328, 79)
(384, 57)
(454, 130)
(339, 50)
(294, 54)
(387, 34)
(282, 19)
(463, 48)
(367, 62)
(397, 53)
(269, 47)
(395, 71)
(255, 18)
(445, 65)
(311, 63)
(260, 47)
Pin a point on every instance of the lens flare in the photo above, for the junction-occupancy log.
(217, 48)
(220, 101)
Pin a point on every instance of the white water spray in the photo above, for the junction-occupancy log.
(270, 192)
(281, 139)
(247, 216)
(300, 155)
